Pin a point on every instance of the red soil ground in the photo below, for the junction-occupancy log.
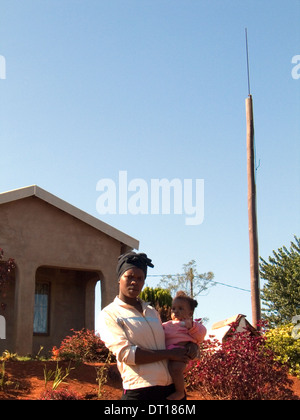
(25, 381)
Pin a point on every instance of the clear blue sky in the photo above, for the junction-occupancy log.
(157, 88)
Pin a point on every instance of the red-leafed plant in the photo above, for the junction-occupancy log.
(83, 345)
(242, 368)
(61, 394)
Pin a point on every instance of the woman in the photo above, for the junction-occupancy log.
(132, 330)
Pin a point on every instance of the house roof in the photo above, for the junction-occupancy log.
(35, 191)
(227, 322)
(221, 329)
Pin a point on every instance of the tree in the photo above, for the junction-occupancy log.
(6, 267)
(281, 293)
(160, 299)
(157, 295)
(190, 281)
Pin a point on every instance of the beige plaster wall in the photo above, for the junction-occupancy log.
(37, 234)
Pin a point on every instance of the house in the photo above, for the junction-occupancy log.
(60, 253)
(223, 329)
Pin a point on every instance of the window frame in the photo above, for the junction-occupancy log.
(47, 332)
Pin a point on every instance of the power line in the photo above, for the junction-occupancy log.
(233, 287)
(212, 281)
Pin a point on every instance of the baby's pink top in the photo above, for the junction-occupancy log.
(176, 333)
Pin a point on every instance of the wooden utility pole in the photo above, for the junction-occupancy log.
(253, 237)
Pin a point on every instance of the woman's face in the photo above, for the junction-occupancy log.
(131, 284)
(180, 310)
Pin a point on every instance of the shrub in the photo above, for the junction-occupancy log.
(83, 345)
(285, 347)
(242, 368)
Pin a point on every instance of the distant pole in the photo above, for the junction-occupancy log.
(252, 218)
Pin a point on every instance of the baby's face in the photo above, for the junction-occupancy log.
(180, 310)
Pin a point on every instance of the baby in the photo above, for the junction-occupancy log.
(180, 331)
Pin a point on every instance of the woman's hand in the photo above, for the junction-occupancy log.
(179, 355)
(150, 356)
(188, 323)
(192, 351)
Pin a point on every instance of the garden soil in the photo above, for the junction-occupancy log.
(24, 380)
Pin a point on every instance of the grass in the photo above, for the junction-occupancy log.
(7, 355)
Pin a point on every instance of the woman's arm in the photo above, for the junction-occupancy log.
(143, 356)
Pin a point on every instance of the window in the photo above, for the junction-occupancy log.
(41, 308)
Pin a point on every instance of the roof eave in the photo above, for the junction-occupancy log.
(34, 190)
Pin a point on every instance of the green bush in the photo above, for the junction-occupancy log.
(285, 347)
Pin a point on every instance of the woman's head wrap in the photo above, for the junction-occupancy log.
(131, 260)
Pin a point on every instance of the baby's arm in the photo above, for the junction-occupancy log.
(198, 332)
